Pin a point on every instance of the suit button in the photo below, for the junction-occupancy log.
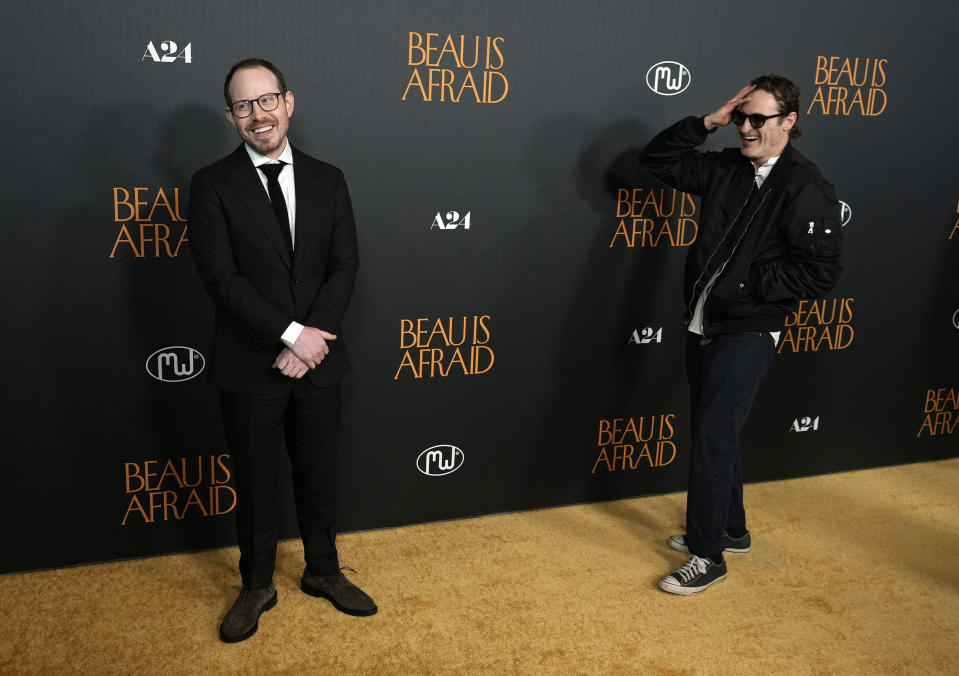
(295, 281)
(741, 285)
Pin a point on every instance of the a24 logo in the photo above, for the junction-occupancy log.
(168, 52)
(806, 424)
(452, 221)
(646, 336)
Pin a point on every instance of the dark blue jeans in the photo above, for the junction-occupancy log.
(724, 375)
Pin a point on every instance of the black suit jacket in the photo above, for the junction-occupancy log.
(244, 263)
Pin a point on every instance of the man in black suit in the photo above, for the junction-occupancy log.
(273, 237)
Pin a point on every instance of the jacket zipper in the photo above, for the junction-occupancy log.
(735, 246)
(694, 295)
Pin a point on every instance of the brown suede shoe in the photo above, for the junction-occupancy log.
(243, 619)
(343, 594)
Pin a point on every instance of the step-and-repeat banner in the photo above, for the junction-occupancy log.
(516, 330)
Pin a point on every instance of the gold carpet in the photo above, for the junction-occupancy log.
(849, 573)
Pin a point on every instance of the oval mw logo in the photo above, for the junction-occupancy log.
(845, 213)
(440, 460)
(668, 78)
(955, 319)
(175, 364)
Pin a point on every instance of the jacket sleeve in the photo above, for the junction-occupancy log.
(212, 250)
(812, 232)
(671, 156)
(333, 298)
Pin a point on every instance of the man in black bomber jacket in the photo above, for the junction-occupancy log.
(769, 235)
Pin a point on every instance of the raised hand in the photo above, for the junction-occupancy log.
(724, 114)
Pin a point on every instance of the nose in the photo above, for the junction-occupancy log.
(260, 114)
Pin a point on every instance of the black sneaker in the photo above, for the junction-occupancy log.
(730, 544)
(695, 576)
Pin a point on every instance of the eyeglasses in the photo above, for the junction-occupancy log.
(756, 120)
(266, 102)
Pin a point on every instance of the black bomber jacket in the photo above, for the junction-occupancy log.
(772, 245)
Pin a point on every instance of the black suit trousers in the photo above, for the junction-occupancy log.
(307, 417)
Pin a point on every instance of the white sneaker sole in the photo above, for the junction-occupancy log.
(676, 542)
(668, 585)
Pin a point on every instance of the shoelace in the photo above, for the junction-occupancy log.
(695, 566)
(244, 596)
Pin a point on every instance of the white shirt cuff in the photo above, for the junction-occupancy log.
(291, 334)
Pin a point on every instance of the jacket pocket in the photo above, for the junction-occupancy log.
(732, 298)
(823, 235)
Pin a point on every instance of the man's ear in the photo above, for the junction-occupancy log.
(790, 120)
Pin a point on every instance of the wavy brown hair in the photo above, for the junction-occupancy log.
(786, 94)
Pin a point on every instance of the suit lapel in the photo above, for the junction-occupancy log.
(244, 178)
(307, 206)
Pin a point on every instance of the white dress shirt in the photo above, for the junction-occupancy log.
(288, 186)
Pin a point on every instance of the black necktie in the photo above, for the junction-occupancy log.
(277, 201)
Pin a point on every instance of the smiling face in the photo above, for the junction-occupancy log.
(769, 140)
(264, 131)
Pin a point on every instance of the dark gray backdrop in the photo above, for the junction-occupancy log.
(87, 110)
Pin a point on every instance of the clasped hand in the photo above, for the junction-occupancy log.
(309, 350)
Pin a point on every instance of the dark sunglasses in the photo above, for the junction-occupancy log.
(755, 120)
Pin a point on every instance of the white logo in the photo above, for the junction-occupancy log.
(646, 335)
(452, 221)
(668, 78)
(440, 460)
(955, 319)
(168, 52)
(175, 364)
(806, 424)
(845, 213)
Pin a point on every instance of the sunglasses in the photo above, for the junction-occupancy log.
(755, 120)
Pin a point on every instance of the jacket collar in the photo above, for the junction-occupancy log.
(308, 191)
(242, 175)
(785, 158)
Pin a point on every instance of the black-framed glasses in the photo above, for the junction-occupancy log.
(266, 102)
(756, 120)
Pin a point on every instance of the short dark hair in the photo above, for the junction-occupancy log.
(252, 63)
(786, 93)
